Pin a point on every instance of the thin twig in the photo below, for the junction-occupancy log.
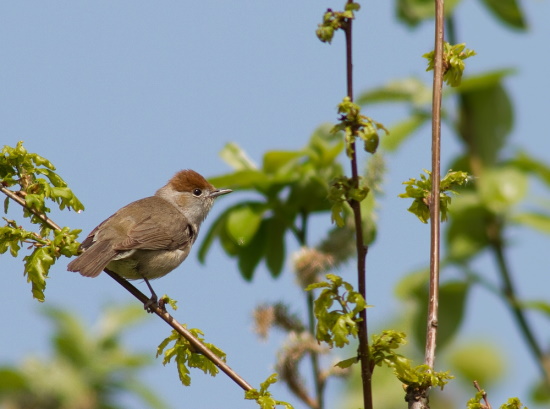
(435, 224)
(484, 395)
(38, 214)
(197, 345)
(364, 354)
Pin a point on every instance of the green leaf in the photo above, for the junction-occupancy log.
(413, 12)
(250, 256)
(529, 164)
(467, 232)
(243, 222)
(216, 229)
(537, 221)
(508, 12)
(237, 158)
(486, 121)
(409, 90)
(402, 130)
(241, 180)
(347, 363)
(452, 303)
(501, 188)
(308, 194)
(484, 80)
(537, 305)
(275, 160)
(275, 246)
(478, 360)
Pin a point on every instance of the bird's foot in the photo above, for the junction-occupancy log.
(151, 304)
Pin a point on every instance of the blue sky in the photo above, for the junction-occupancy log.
(121, 95)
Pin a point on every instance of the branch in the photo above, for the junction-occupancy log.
(435, 224)
(420, 399)
(197, 345)
(487, 405)
(364, 354)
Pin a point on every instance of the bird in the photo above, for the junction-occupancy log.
(150, 237)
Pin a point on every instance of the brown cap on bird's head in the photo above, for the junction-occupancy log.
(187, 180)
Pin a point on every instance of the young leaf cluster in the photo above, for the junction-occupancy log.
(288, 187)
(185, 356)
(335, 20)
(418, 377)
(22, 168)
(18, 167)
(335, 326)
(453, 62)
(475, 402)
(421, 189)
(343, 190)
(354, 125)
(263, 397)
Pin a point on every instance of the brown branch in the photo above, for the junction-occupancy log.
(435, 224)
(420, 400)
(184, 332)
(364, 353)
(484, 395)
(13, 196)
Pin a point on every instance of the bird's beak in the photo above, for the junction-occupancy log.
(219, 192)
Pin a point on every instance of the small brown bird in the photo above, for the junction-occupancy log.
(150, 237)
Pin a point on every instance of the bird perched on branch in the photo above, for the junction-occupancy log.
(150, 237)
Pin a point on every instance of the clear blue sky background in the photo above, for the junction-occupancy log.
(120, 95)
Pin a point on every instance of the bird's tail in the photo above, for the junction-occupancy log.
(93, 260)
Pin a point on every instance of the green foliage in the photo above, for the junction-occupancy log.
(477, 360)
(453, 62)
(413, 12)
(421, 191)
(453, 295)
(486, 119)
(21, 168)
(335, 326)
(170, 301)
(513, 403)
(508, 12)
(291, 185)
(186, 357)
(263, 397)
(354, 125)
(335, 20)
(382, 350)
(475, 402)
(342, 191)
(89, 366)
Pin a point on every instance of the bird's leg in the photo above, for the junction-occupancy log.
(153, 301)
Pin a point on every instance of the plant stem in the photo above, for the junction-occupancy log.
(364, 353)
(510, 296)
(301, 236)
(435, 224)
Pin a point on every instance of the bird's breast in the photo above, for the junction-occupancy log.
(151, 264)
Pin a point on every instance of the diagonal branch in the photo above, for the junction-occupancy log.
(184, 332)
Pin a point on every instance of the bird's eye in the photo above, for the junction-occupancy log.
(197, 192)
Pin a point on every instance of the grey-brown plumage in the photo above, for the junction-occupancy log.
(150, 237)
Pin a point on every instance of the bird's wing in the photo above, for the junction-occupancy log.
(146, 235)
